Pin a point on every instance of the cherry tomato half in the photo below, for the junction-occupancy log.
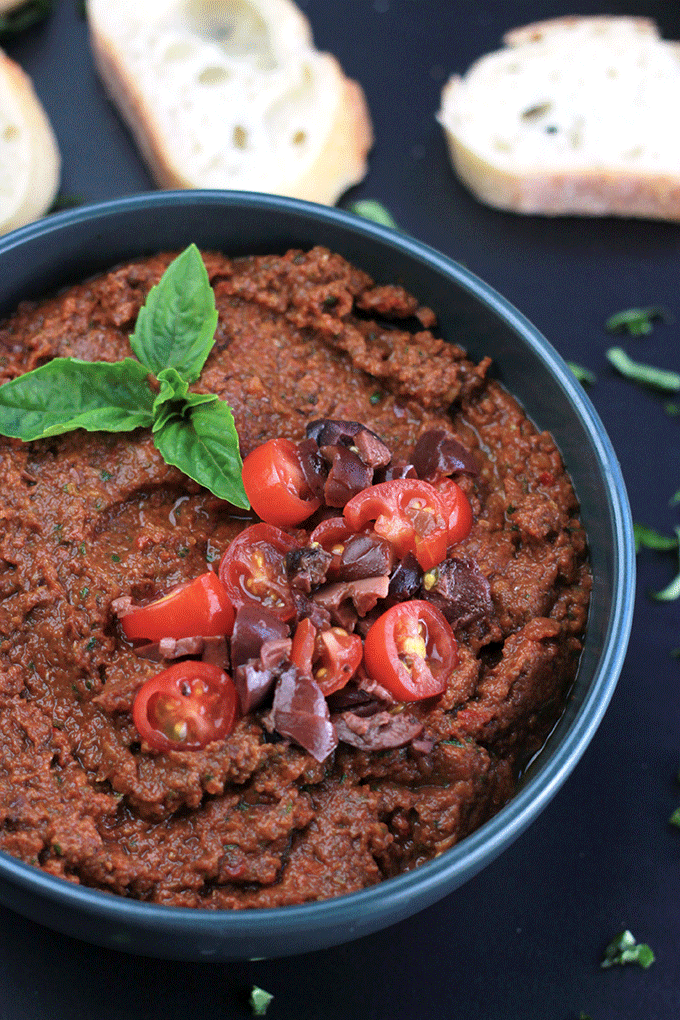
(331, 657)
(411, 651)
(200, 607)
(185, 707)
(458, 509)
(275, 484)
(252, 569)
(409, 513)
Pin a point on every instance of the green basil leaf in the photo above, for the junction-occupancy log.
(672, 591)
(584, 375)
(259, 1001)
(375, 211)
(67, 394)
(203, 443)
(637, 321)
(624, 949)
(649, 538)
(648, 375)
(176, 326)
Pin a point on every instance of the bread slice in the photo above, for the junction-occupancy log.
(232, 94)
(30, 164)
(576, 115)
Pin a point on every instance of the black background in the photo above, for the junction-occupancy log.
(524, 939)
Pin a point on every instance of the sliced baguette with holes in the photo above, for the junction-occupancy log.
(231, 94)
(29, 155)
(576, 115)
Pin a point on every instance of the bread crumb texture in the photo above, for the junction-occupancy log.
(573, 115)
(232, 94)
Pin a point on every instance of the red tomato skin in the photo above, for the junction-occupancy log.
(195, 693)
(302, 651)
(394, 506)
(339, 657)
(458, 510)
(275, 484)
(246, 580)
(384, 647)
(197, 608)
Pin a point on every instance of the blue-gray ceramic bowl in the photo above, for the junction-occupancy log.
(71, 246)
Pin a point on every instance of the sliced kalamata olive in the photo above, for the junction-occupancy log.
(364, 555)
(253, 625)
(330, 431)
(460, 590)
(307, 609)
(394, 471)
(216, 651)
(377, 732)
(300, 712)
(351, 698)
(314, 467)
(405, 581)
(363, 594)
(371, 449)
(347, 476)
(439, 453)
(275, 651)
(306, 567)
(253, 684)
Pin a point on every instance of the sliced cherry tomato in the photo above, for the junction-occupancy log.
(252, 569)
(331, 657)
(458, 509)
(275, 484)
(411, 651)
(185, 707)
(196, 608)
(409, 513)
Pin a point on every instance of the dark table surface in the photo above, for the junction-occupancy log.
(523, 939)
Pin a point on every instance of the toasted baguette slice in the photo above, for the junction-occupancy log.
(576, 115)
(231, 94)
(29, 156)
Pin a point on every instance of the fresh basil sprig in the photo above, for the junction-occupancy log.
(173, 336)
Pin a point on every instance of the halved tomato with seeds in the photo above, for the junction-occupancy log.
(186, 707)
(331, 657)
(409, 513)
(252, 569)
(275, 484)
(199, 607)
(411, 651)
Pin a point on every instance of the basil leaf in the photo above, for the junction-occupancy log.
(68, 393)
(675, 818)
(584, 375)
(372, 210)
(637, 321)
(648, 538)
(672, 591)
(25, 16)
(649, 375)
(203, 443)
(176, 326)
(259, 1001)
(624, 949)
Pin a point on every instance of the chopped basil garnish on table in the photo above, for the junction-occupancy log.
(173, 337)
(649, 538)
(624, 949)
(637, 321)
(584, 375)
(372, 210)
(648, 375)
(259, 1001)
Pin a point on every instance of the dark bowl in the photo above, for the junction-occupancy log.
(70, 246)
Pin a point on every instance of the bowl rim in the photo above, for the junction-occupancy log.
(486, 842)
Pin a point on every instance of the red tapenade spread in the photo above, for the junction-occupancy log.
(270, 808)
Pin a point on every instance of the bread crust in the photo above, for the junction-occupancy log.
(31, 163)
(339, 158)
(593, 190)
